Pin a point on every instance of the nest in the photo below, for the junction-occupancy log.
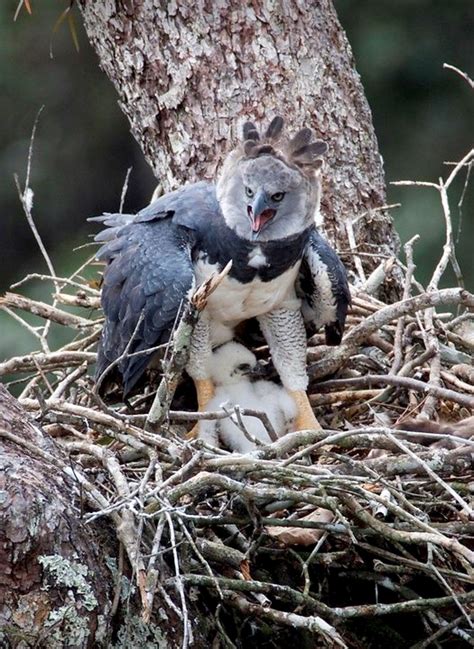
(340, 533)
(355, 535)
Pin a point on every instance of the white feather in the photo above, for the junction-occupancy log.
(233, 301)
(257, 258)
(234, 388)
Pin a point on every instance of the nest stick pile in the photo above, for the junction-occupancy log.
(385, 512)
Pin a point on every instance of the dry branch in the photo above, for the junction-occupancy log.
(12, 300)
(384, 316)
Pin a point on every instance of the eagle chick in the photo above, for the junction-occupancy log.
(229, 368)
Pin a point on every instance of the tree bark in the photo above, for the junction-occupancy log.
(188, 74)
(55, 587)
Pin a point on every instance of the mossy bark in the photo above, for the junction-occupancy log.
(54, 582)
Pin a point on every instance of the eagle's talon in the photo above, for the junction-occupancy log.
(306, 419)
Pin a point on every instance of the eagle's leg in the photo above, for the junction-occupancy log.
(306, 418)
(204, 391)
(285, 333)
(197, 366)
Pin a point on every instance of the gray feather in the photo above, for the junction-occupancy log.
(148, 275)
(311, 151)
(250, 132)
(274, 129)
(303, 137)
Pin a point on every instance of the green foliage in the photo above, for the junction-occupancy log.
(422, 113)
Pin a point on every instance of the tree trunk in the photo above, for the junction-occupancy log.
(60, 585)
(188, 75)
(55, 587)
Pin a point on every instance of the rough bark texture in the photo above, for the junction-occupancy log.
(54, 585)
(59, 576)
(188, 74)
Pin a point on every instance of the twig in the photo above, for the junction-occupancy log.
(236, 418)
(124, 189)
(352, 244)
(187, 633)
(312, 624)
(50, 361)
(407, 537)
(461, 200)
(68, 380)
(446, 585)
(26, 198)
(382, 317)
(61, 280)
(369, 380)
(377, 276)
(34, 331)
(398, 352)
(45, 311)
(403, 447)
(428, 642)
(462, 74)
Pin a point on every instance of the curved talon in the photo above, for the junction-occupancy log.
(205, 392)
(306, 419)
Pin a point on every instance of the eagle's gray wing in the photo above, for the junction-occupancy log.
(149, 273)
(323, 288)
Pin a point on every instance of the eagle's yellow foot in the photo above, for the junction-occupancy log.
(305, 419)
(205, 392)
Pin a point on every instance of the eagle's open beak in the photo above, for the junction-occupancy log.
(259, 213)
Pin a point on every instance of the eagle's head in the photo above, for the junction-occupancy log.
(230, 363)
(269, 187)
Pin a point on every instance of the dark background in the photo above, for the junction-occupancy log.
(423, 115)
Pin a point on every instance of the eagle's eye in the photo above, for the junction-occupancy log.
(244, 367)
(249, 192)
(278, 197)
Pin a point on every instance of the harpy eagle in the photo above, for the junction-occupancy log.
(261, 214)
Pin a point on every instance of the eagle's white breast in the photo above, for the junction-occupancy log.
(234, 301)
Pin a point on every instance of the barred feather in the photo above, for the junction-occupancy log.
(313, 150)
(250, 132)
(303, 137)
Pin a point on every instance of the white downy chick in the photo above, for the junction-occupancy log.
(229, 366)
